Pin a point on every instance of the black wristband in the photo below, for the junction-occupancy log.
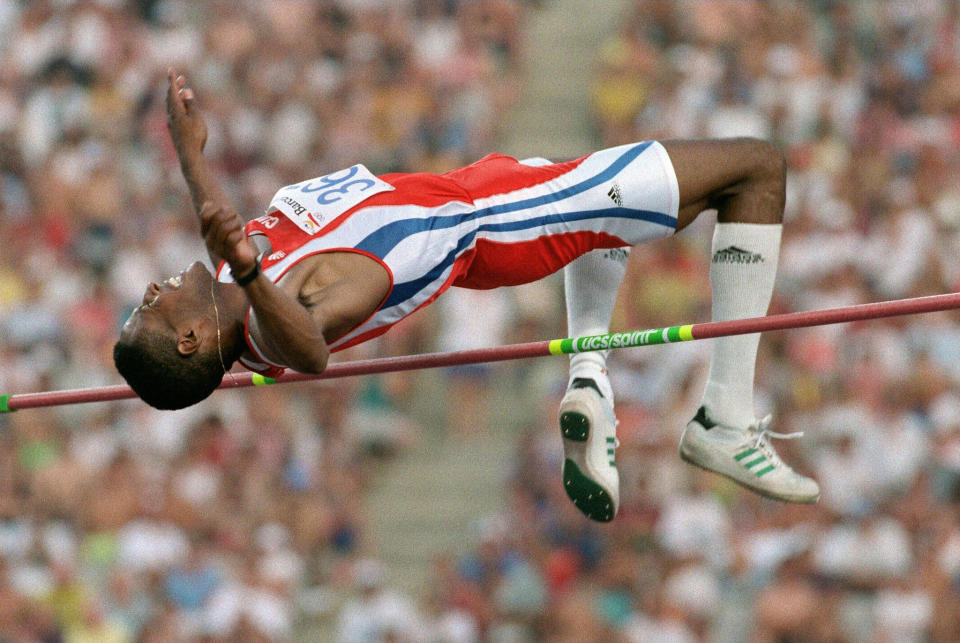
(250, 276)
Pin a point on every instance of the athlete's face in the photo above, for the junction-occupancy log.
(169, 305)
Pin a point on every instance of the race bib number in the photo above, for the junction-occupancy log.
(314, 203)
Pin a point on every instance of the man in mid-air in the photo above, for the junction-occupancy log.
(337, 260)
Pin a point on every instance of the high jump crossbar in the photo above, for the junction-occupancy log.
(666, 335)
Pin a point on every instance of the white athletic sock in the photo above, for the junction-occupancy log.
(742, 271)
(591, 283)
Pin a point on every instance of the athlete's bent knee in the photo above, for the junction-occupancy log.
(764, 187)
(772, 164)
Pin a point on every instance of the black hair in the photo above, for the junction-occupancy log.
(161, 376)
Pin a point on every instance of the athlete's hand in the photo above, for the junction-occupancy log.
(222, 230)
(187, 127)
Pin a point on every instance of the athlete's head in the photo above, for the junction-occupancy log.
(168, 348)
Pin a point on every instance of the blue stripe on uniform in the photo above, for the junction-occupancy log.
(402, 291)
(380, 242)
(607, 213)
(393, 233)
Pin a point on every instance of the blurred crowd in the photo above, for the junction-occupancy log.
(243, 518)
(864, 100)
(234, 519)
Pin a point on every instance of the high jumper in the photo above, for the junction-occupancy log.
(338, 259)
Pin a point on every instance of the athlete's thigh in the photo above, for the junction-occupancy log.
(710, 169)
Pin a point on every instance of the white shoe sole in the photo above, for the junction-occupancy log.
(596, 494)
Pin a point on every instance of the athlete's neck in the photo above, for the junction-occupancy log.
(233, 304)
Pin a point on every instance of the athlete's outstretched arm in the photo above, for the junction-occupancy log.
(293, 335)
(189, 134)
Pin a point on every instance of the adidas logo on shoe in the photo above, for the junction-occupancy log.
(746, 457)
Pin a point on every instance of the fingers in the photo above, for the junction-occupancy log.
(227, 235)
(189, 100)
(206, 217)
(222, 229)
(213, 217)
(173, 102)
(175, 82)
(180, 98)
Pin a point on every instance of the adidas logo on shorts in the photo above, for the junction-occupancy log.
(614, 194)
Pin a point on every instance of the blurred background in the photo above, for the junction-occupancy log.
(427, 506)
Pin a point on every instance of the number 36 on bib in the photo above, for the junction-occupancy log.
(314, 203)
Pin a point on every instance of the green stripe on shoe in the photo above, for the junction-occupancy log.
(767, 469)
(743, 454)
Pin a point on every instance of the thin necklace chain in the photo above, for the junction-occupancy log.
(216, 312)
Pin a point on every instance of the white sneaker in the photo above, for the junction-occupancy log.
(746, 457)
(589, 430)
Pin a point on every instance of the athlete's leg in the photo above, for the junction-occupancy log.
(744, 180)
(591, 283)
(587, 421)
